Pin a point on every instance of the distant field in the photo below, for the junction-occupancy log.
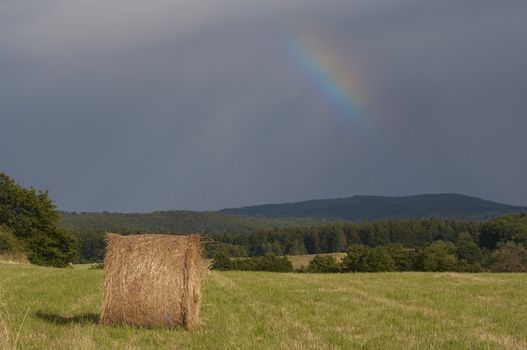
(58, 308)
(299, 261)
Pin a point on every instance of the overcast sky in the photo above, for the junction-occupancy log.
(130, 105)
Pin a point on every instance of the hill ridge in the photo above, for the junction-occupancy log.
(376, 207)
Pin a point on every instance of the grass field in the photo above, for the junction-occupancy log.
(57, 309)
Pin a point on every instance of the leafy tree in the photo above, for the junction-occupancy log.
(323, 263)
(269, 262)
(33, 218)
(503, 229)
(353, 259)
(509, 257)
(92, 246)
(213, 248)
(296, 248)
(312, 243)
(439, 256)
(222, 262)
(404, 258)
(9, 244)
(377, 259)
(364, 259)
(337, 240)
(468, 252)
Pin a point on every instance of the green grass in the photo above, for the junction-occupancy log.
(57, 309)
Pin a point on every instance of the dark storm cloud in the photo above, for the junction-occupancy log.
(136, 106)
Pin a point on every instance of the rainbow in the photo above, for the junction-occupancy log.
(332, 77)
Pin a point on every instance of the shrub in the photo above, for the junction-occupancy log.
(270, 263)
(468, 252)
(323, 263)
(404, 258)
(503, 229)
(363, 259)
(214, 249)
(509, 257)
(221, 262)
(439, 256)
(353, 259)
(377, 260)
(469, 267)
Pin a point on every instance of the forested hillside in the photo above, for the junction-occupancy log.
(337, 237)
(238, 235)
(177, 222)
(371, 208)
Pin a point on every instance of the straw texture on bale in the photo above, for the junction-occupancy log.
(152, 280)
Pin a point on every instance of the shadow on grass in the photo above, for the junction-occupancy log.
(88, 318)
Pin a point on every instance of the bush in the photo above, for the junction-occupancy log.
(469, 267)
(509, 257)
(270, 263)
(92, 246)
(363, 259)
(404, 258)
(377, 260)
(503, 229)
(468, 252)
(323, 263)
(221, 262)
(213, 249)
(439, 256)
(353, 259)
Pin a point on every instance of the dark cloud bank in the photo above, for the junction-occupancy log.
(139, 106)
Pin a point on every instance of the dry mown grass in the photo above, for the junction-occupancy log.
(5, 333)
(14, 258)
(258, 310)
(8, 339)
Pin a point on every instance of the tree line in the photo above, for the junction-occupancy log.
(414, 235)
(334, 238)
(29, 225)
(461, 256)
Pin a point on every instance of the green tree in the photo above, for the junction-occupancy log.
(353, 259)
(468, 251)
(33, 218)
(439, 256)
(404, 258)
(470, 256)
(222, 262)
(503, 229)
(323, 263)
(312, 242)
(377, 260)
(337, 240)
(9, 244)
(296, 248)
(262, 263)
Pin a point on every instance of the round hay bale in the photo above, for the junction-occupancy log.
(152, 280)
